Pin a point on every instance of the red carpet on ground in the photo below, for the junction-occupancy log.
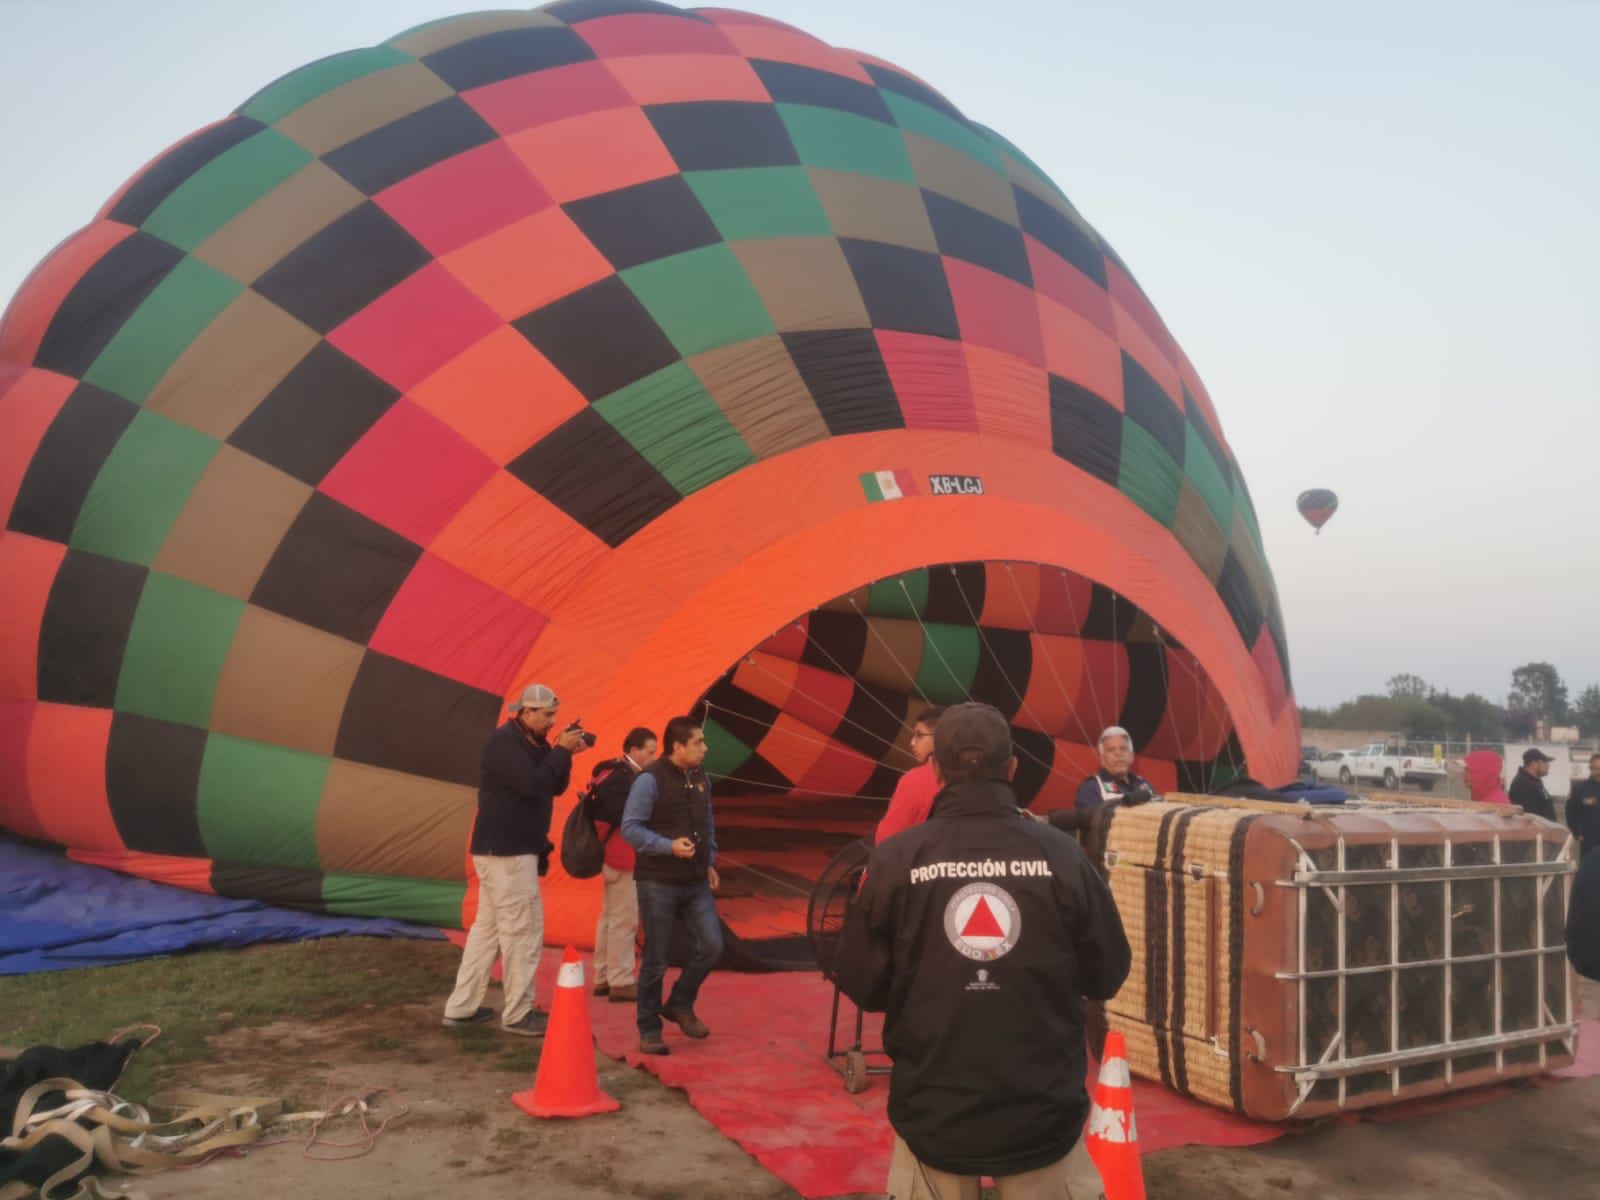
(762, 1079)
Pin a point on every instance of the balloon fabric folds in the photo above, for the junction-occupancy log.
(673, 358)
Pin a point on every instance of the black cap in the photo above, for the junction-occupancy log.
(973, 739)
(1533, 754)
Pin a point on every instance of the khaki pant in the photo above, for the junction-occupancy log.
(1072, 1178)
(510, 925)
(616, 935)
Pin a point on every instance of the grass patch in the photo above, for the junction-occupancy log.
(195, 996)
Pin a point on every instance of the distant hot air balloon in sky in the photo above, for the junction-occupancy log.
(1316, 506)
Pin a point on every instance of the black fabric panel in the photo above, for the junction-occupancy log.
(601, 338)
(172, 170)
(1145, 706)
(292, 887)
(1058, 233)
(1152, 409)
(310, 421)
(152, 780)
(1239, 598)
(881, 783)
(68, 460)
(342, 269)
(403, 718)
(872, 722)
(892, 81)
(1085, 430)
(335, 570)
(401, 148)
(1005, 663)
(746, 717)
(640, 224)
(575, 12)
(613, 503)
(754, 774)
(787, 83)
(976, 237)
(845, 373)
(496, 56)
(99, 303)
(87, 619)
(904, 290)
(711, 135)
(1111, 617)
(835, 642)
(1036, 755)
(956, 593)
(1280, 642)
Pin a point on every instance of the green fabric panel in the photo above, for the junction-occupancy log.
(1008, 149)
(725, 754)
(761, 202)
(670, 419)
(278, 100)
(916, 117)
(889, 598)
(161, 329)
(841, 141)
(703, 300)
(426, 901)
(225, 187)
(141, 489)
(1149, 477)
(1208, 479)
(180, 638)
(1248, 512)
(949, 663)
(258, 803)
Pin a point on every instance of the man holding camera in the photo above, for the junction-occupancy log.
(522, 774)
(668, 822)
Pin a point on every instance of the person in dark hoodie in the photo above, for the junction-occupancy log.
(1527, 789)
(979, 934)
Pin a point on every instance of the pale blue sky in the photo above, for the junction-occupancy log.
(1371, 225)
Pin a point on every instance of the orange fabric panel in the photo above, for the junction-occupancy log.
(41, 293)
(677, 78)
(792, 747)
(16, 807)
(1054, 682)
(67, 777)
(1144, 350)
(1009, 395)
(28, 565)
(598, 152)
(192, 874)
(27, 407)
(495, 267)
(1076, 349)
(760, 37)
(1010, 595)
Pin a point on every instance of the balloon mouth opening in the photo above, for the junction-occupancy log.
(810, 731)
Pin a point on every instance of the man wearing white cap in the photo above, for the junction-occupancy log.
(1114, 780)
(522, 774)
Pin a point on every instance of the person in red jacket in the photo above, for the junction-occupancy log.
(913, 795)
(616, 934)
(1483, 777)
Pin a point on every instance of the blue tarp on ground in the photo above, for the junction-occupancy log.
(56, 915)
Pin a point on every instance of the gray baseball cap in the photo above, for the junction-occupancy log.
(535, 695)
(973, 738)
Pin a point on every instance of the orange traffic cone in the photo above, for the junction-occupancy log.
(566, 1084)
(1111, 1136)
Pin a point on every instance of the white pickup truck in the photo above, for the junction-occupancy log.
(1379, 763)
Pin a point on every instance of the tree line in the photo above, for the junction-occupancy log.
(1420, 711)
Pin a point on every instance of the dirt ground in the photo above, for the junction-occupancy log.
(463, 1138)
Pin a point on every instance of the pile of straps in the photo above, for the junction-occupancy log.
(62, 1129)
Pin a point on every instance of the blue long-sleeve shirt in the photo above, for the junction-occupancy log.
(641, 807)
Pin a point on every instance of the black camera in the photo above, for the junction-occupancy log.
(577, 726)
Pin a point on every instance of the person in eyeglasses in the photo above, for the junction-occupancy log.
(913, 795)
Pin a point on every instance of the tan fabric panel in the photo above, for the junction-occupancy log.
(304, 204)
(362, 105)
(285, 683)
(805, 283)
(949, 172)
(229, 369)
(377, 822)
(1197, 530)
(877, 210)
(758, 389)
(452, 31)
(233, 522)
(893, 654)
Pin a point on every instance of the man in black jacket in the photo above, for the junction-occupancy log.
(521, 776)
(1528, 790)
(1583, 809)
(668, 821)
(979, 933)
(1583, 919)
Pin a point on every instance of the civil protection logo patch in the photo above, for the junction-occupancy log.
(982, 921)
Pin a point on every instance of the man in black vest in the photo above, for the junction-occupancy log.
(668, 821)
(1583, 809)
(1528, 789)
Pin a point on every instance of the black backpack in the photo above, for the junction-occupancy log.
(583, 850)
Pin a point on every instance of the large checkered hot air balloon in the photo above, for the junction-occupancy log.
(668, 357)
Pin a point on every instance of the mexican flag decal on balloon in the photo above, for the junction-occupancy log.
(888, 485)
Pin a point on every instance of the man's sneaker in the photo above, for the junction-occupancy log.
(532, 1025)
(602, 988)
(691, 1025)
(626, 993)
(651, 1043)
(477, 1018)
